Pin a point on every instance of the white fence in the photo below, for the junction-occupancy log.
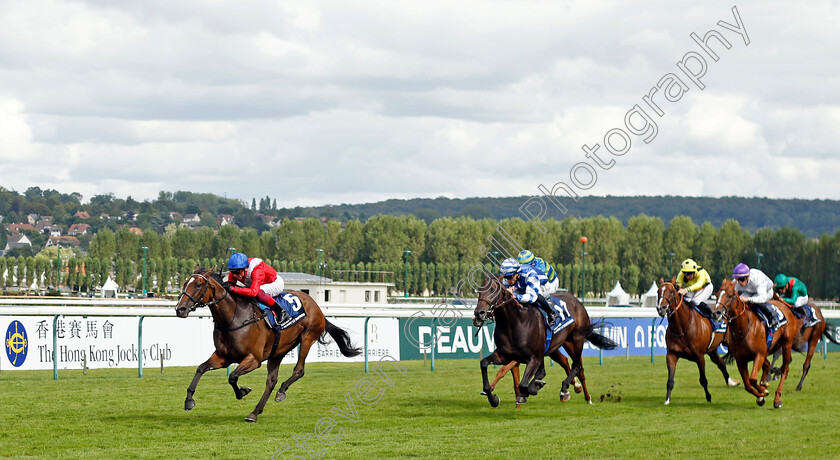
(74, 333)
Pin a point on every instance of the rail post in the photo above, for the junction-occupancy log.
(601, 350)
(434, 341)
(367, 369)
(652, 335)
(140, 347)
(55, 346)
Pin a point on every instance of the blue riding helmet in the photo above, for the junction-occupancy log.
(509, 267)
(526, 257)
(237, 261)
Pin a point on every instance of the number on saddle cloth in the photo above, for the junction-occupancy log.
(292, 306)
(564, 320)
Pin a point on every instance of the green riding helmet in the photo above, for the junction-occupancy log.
(781, 280)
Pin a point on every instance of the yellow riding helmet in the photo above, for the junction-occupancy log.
(689, 266)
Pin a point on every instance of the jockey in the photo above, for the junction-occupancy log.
(695, 285)
(524, 283)
(792, 291)
(549, 282)
(265, 283)
(756, 288)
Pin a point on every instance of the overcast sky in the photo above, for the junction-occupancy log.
(354, 101)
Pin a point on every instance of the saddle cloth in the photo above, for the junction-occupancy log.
(779, 316)
(717, 326)
(810, 316)
(564, 320)
(293, 307)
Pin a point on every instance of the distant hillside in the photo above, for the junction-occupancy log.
(813, 217)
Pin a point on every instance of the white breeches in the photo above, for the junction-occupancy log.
(274, 289)
(700, 296)
(549, 288)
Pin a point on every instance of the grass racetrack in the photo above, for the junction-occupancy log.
(113, 414)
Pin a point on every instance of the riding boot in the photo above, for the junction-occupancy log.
(543, 305)
(772, 321)
(703, 308)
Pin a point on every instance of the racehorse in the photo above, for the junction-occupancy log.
(689, 336)
(520, 336)
(748, 341)
(810, 335)
(241, 336)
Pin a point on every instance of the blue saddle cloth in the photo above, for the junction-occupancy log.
(564, 320)
(769, 331)
(717, 326)
(811, 316)
(293, 307)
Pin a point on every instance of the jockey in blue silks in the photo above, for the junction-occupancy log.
(524, 283)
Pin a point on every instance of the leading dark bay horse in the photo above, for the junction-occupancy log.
(810, 335)
(242, 336)
(689, 336)
(747, 341)
(520, 336)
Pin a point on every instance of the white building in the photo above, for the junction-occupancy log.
(325, 290)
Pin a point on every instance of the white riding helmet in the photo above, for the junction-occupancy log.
(509, 267)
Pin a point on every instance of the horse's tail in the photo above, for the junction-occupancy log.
(830, 337)
(341, 338)
(600, 340)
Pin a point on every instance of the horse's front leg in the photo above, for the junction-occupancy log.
(502, 372)
(777, 402)
(214, 362)
(671, 362)
(272, 366)
(248, 364)
(492, 358)
(525, 386)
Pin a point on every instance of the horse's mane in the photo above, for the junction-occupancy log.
(209, 272)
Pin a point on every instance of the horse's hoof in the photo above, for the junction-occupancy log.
(667, 401)
(760, 401)
(708, 398)
(280, 397)
(243, 391)
(732, 382)
(777, 405)
(578, 388)
(189, 404)
(251, 418)
(565, 396)
(539, 383)
(521, 399)
(589, 401)
(494, 400)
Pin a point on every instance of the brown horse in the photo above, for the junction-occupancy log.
(242, 336)
(520, 336)
(809, 335)
(747, 341)
(689, 336)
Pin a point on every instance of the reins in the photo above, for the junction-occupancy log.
(733, 304)
(196, 304)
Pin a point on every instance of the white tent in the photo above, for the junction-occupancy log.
(109, 289)
(617, 296)
(650, 297)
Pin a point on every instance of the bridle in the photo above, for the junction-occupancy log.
(196, 302)
(728, 309)
(492, 306)
(676, 294)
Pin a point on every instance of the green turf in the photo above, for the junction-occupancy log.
(113, 414)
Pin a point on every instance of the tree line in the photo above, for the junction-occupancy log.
(441, 253)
